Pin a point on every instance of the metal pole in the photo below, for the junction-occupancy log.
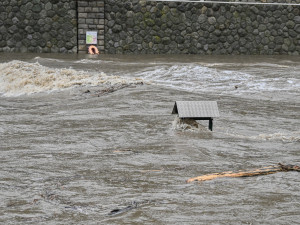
(210, 126)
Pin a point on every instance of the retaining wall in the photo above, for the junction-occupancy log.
(201, 28)
(150, 27)
(38, 26)
(90, 18)
(257, 1)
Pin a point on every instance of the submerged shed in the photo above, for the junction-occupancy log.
(197, 110)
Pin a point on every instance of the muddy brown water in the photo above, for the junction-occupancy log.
(69, 156)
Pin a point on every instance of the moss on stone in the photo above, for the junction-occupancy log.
(147, 15)
(150, 22)
(156, 39)
(236, 14)
(126, 47)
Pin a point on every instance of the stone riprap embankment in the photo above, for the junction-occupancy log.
(151, 27)
(38, 26)
(257, 1)
(201, 28)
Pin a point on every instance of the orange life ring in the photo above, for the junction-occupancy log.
(93, 50)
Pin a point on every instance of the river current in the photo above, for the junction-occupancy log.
(91, 139)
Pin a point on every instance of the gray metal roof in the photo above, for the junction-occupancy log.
(196, 109)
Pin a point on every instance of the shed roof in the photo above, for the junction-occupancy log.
(196, 109)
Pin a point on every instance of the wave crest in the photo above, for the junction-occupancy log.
(19, 78)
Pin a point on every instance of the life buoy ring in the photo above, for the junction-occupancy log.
(93, 50)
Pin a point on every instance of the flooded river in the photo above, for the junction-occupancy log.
(91, 140)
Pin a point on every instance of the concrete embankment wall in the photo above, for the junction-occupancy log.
(90, 18)
(151, 27)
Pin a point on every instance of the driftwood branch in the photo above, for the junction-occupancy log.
(262, 171)
(112, 89)
(132, 206)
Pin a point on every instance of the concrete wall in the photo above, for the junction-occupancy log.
(90, 18)
(38, 26)
(200, 28)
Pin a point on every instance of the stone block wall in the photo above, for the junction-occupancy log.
(90, 18)
(151, 27)
(38, 26)
(258, 1)
(157, 27)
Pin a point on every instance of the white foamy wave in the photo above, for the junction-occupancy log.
(285, 137)
(200, 78)
(18, 78)
(196, 77)
(188, 125)
(271, 65)
(91, 61)
(290, 137)
(38, 59)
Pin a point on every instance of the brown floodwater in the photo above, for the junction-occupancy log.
(73, 152)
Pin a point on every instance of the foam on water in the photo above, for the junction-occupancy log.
(279, 81)
(90, 61)
(286, 137)
(18, 78)
(196, 77)
(200, 78)
(265, 65)
(279, 136)
(189, 125)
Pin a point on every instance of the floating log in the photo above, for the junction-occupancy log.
(123, 210)
(114, 88)
(132, 206)
(257, 172)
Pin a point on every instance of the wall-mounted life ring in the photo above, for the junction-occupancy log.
(93, 50)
